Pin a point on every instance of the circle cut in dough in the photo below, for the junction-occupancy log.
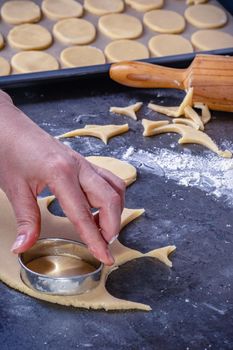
(123, 170)
(211, 40)
(5, 67)
(164, 21)
(145, 5)
(81, 56)
(121, 50)
(169, 44)
(61, 9)
(18, 12)
(74, 31)
(103, 7)
(205, 16)
(33, 61)
(120, 26)
(29, 37)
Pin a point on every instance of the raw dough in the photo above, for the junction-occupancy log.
(211, 40)
(74, 31)
(164, 21)
(145, 5)
(185, 121)
(191, 114)
(129, 111)
(169, 44)
(29, 37)
(124, 170)
(60, 9)
(205, 16)
(33, 61)
(98, 298)
(120, 26)
(189, 135)
(80, 56)
(5, 67)
(103, 7)
(1, 41)
(205, 115)
(176, 111)
(103, 132)
(125, 50)
(18, 12)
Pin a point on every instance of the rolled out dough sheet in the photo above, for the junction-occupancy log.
(98, 298)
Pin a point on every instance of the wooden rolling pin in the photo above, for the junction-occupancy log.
(211, 76)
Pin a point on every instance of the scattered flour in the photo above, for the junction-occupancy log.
(209, 172)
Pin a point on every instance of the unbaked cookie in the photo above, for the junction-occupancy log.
(124, 49)
(195, 2)
(1, 41)
(74, 31)
(164, 21)
(33, 61)
(60, 9)
(29, 37)
(169, 44)
(120, 26)
(205, 16)
(18, 12)
(103, 7)
(145, 5)
(5, 67)
(80, 56)
(211, 40)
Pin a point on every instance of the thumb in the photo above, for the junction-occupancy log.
(27, 214)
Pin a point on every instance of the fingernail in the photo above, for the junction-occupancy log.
(110, 257)
(18, 242)
(113, 239)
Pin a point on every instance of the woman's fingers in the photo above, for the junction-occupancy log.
(27, 215)
(75, 206)
(102, 195)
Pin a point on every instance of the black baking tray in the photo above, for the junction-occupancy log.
(180, 61)
(192, 303)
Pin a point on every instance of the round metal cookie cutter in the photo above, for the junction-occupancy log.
(60, 267)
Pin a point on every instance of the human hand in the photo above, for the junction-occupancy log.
(32, 160)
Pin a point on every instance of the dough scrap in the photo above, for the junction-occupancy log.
(103, 7)
(18, 12)
(125, 50)
(33, 61)
(80, 56)
(61, 9)
(186, 121)
(123, 170)
(205, 16)
(169, 44)
(176, 111)
(129, 111)
(145, 5)
(29, 37)
(120, 26)
(103, 132)
(189, 135)
(164, 21)
(211, 39)
(5, 67)
(190, 113)
(74, 31)
(98, 298)
(205, 112)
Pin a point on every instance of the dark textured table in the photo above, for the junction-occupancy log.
(192, 303)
